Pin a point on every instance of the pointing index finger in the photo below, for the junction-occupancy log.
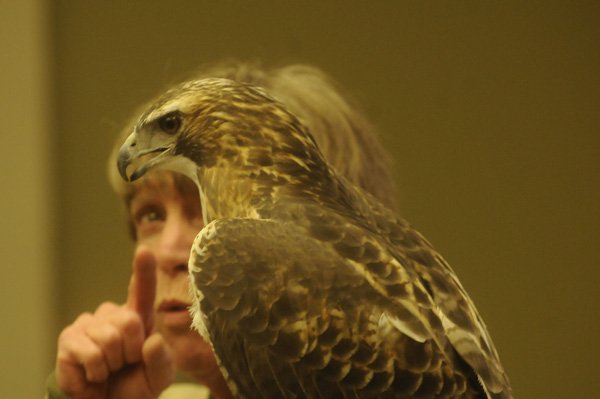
(142, 286)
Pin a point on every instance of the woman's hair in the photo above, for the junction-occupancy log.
(346, 138)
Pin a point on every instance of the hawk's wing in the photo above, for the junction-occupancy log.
(461, 321)
(292, 312)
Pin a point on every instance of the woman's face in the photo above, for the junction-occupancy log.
(166, 221)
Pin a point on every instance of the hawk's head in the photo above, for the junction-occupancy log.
(209, 122)
(242, 148)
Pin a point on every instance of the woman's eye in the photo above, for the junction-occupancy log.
(149, 216)
(147, 220)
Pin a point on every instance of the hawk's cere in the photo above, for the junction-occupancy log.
(305, 286)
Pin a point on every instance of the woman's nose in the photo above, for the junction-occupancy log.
(173, 250)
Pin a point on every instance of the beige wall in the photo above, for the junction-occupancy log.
(489, 109)
(27, 307)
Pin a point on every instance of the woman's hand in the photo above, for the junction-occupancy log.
(112, 353)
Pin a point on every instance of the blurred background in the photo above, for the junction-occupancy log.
(489, 109)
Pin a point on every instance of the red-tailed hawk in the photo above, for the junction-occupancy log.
(305, 286)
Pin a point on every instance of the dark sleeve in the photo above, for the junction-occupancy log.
(52, 389)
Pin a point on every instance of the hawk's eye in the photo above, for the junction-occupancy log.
(170, 122)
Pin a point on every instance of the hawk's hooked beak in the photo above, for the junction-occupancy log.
(143, 159)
